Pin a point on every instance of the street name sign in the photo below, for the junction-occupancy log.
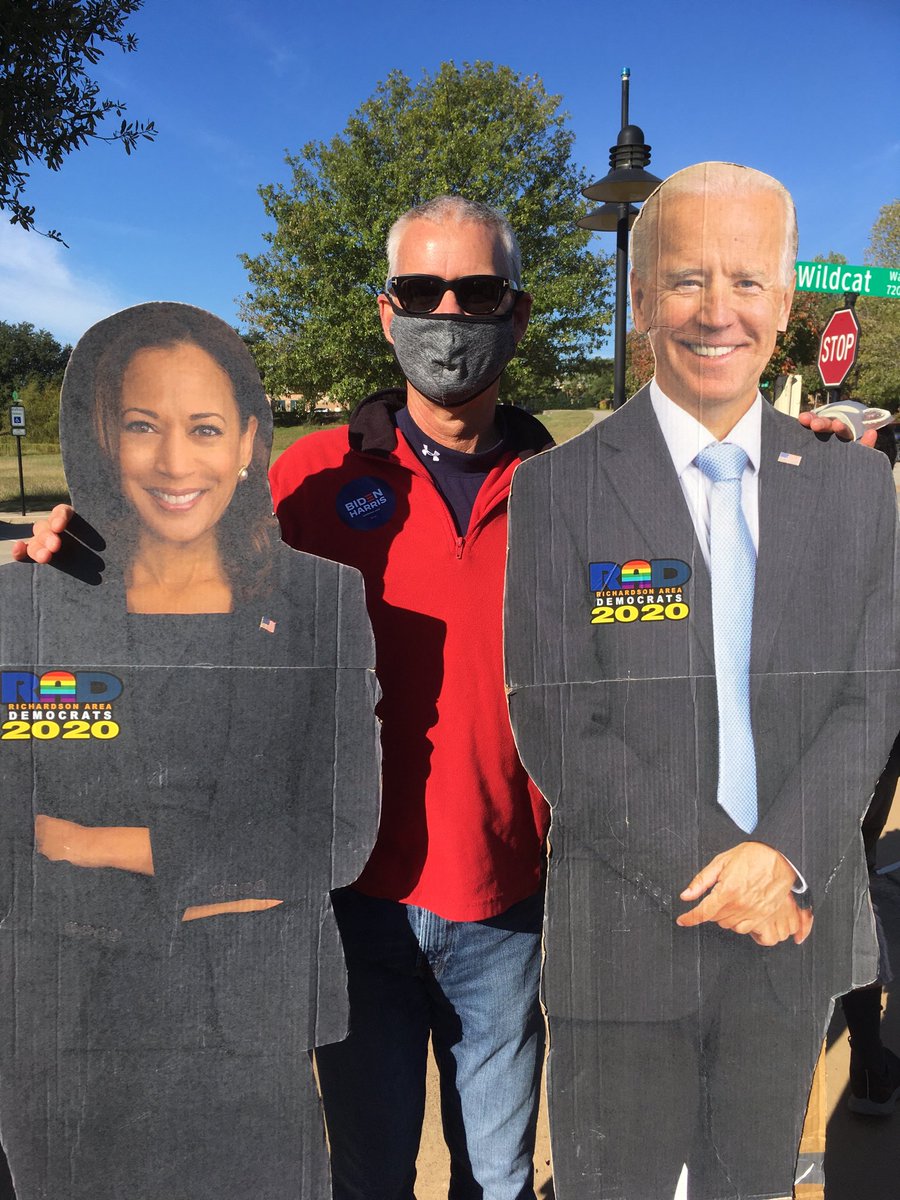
(840, 277)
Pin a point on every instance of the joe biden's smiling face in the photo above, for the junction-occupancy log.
(711, 291)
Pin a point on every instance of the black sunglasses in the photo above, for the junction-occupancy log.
(477, 295)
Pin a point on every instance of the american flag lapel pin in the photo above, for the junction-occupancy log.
(791, 460)
(268, 624)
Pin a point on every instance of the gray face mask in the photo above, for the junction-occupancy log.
(450, 359)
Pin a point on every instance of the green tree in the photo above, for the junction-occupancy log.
(884, 240)
(879, 344)
(32, 363)
(41, 400)
(49, 106)
(797, 348)
(588, 387)
(28, 353)
(639, 362)
(479, 131)
(879, 370)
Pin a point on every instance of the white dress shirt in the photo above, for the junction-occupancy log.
(685, 437)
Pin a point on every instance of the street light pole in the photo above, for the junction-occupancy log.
(625, 184)
(622, 227)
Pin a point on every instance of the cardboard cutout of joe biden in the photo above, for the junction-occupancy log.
(708, 759)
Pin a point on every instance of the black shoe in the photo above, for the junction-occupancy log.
(874, 1093)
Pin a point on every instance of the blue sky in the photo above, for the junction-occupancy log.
(807, 90)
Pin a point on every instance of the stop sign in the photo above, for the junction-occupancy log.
(838, 347)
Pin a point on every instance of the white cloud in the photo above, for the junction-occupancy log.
(275, 43)
(39, 284)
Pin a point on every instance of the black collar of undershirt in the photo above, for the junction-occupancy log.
(459, 462)
(373, 428)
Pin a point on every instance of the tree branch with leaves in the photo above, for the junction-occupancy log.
(478, 130)
(49, 106)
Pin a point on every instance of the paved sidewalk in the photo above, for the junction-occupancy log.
(14, 526)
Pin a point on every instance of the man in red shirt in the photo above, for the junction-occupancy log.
(442, 930)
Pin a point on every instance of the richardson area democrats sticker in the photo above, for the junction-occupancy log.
(75, 706)
(622, 593)
(366, 503)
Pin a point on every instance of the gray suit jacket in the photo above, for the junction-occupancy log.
(616, 720)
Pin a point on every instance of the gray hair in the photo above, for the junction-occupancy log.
(444, 209)
(711, 179)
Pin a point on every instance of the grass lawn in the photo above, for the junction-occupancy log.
(45, 483)
(565, 423)
(286, 435)
(562, 424)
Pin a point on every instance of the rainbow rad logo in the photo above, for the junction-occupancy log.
(57, 685)
(76, 706)
(638, 590)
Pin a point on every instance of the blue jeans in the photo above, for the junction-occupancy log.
(473, 987)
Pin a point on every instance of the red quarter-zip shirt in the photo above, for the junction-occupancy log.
(462, 828)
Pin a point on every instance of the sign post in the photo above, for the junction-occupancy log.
(838, 348)
(17, 426)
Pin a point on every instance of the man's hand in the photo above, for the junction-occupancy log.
(789, 921)
(748, 886)
(125, 847)
(197, 911)
(832, 425)
(45, 540)
(60, 841)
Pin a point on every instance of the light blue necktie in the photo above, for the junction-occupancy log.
(732, 564)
